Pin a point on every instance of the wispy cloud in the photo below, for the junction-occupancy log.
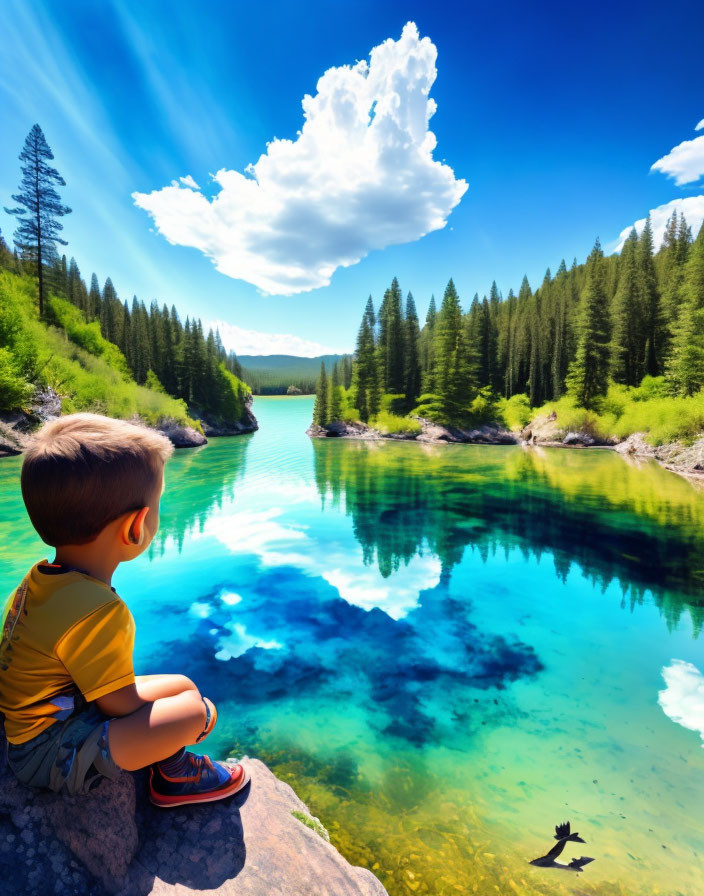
(692, 207)
(254, 342)
(683, 698)
(359, 176)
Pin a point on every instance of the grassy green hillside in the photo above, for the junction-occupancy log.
(87, 371)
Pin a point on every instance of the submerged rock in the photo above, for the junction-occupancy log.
(262, 842)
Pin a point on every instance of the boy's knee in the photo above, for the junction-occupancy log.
(186, 683)
(194, 710)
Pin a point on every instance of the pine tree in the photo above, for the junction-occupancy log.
(427, 336)
(390, 347)
(452, 373)
(320, 408)
(334, 404)
(561, 337)
(370, 315)
(94, 299)
(365, 376)
(676, 255)
(124, 342)
(75, 288)
(108, 317)
(588, 374)
(685, 369)
(412, 359)
(650, 301)
(506, 344)
(38, 207)
(628, 326)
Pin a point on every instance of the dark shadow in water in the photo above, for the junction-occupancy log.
(640, 527)
(400, 673)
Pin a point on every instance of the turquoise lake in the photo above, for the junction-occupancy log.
(446, 649)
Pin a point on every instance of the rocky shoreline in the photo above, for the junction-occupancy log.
(261, 842)
(686, 460)
(16, 428)
(490, 434)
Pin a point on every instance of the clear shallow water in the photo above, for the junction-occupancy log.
(445, 649)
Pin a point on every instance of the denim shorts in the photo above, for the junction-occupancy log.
(71, 756)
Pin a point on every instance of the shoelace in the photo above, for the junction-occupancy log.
(200, 762)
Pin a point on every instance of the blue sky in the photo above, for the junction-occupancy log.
(552, 114)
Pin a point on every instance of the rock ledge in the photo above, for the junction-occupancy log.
(113, 841)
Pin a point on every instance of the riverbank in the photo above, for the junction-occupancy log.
(685, 459)
(16, 428)
(263, 842)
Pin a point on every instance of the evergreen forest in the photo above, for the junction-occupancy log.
(614, 343)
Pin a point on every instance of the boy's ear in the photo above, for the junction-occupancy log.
(132, 530)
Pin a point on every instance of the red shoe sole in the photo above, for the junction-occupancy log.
(211, 796)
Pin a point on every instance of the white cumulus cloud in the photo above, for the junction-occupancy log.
(700, 126)
(683, 697)
(692, 207)
(253, 342)
(189, 182)
(684, 162)
(359, 176)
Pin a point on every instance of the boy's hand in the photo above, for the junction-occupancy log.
(121, 702)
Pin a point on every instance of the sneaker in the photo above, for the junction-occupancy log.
(205, 781)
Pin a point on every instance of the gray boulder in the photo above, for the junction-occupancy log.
(181, 436)
(578, 439)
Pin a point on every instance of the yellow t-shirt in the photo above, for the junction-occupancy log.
(74, 634)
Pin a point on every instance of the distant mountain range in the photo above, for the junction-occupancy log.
(287, 362)
(273, 374)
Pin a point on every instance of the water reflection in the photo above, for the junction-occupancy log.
(197, 482)
(640, 526)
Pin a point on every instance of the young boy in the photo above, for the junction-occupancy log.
(74, 710)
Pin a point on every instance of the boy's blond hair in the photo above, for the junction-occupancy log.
(83, 471)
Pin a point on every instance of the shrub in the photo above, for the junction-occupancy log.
(386, 423)
(393, 404)
(483, 408)
(515, 411)
(16, 311)
(430, 406)
(570, 417)
(152, 382)
(87, 335)
(15, 390)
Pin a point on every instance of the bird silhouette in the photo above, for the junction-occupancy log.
(563, 835)
(562, 832)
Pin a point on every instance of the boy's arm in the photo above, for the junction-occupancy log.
(121, 702)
